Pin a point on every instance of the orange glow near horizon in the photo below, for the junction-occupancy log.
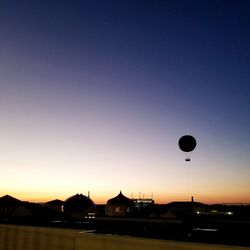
(87, 105)
(42, 197)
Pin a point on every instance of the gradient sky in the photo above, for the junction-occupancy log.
(94, 95)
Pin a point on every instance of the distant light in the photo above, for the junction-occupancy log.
(198, 212)
(90, 216)
(230, 213)
(205, 229)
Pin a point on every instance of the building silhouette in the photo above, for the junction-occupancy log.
(119, 206)
(8, 205)
(79, 207)
(55, 204)
(14, 210)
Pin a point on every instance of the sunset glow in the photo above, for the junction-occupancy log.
(94, 96)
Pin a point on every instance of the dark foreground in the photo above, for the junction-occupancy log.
(47, 238)
(213, 231)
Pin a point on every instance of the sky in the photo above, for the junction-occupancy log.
(94, 96)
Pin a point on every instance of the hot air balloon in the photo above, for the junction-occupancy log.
(187, 143)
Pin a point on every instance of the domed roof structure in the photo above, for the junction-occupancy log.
(78, 202)
(120, 199)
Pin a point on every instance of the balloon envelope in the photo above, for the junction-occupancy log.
(187, 143)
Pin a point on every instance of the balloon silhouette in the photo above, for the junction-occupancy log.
(187, 143)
